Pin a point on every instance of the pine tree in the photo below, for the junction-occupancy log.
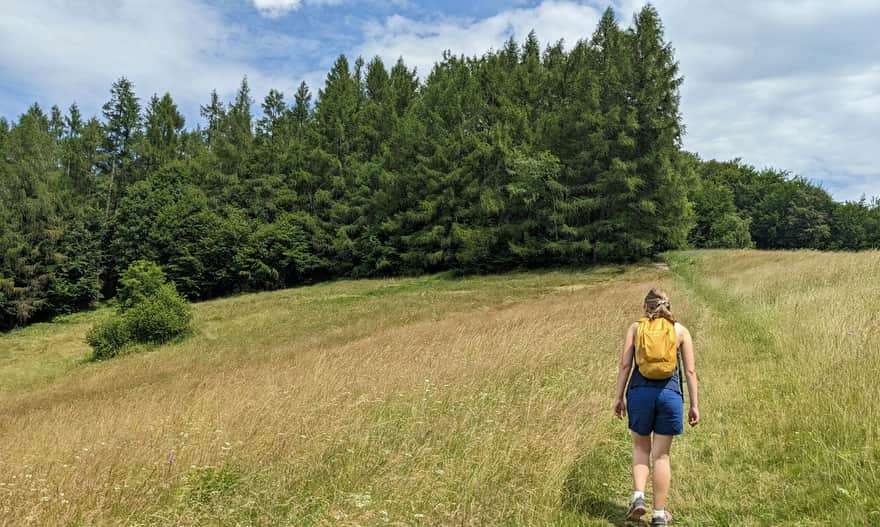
(376, 116)
(164, 127)
(403, 85)
(56, 123)
(122, 128)
(336, 108)
(214, 113)
(69, 149)
(31, 219)
(274, 109)
(73, 121)
(665, 214)
(302, 106)
(238, 134)
(530, 84)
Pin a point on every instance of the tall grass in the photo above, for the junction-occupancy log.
(792, 427)
(439, 401)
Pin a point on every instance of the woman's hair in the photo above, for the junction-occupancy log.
(657, 305)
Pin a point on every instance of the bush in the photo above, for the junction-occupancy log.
(150, 311)
(159, 317)
(730, 232)
(141, 280)
(108, 338)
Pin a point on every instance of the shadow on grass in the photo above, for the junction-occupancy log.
(596, 484)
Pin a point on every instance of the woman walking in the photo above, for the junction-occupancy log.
(654, 399)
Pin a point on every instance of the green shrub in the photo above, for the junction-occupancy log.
(108, 338)
(141, 280)
(150, 311)
(159, 317)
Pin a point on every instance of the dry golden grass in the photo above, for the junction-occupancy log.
(433, 401)
(417, 401)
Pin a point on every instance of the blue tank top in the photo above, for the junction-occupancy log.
(673, 383)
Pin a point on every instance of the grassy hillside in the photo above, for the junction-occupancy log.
(439, 401)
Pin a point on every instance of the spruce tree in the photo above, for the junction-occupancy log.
(164, 127)
(213, 113)
(238, 133)
(122, 114)
(665, 214)
(274, 109)
(302, 107)
(403, 85)
(336, 109)
(31, 219)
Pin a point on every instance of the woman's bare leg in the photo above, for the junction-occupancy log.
(662, 470)
(641, 458)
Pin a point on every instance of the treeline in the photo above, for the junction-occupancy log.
(522, 157)
(738, 206)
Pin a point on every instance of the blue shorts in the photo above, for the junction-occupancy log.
(658, 410)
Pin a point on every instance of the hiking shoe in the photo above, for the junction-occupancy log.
(637, 509)
(661, 522)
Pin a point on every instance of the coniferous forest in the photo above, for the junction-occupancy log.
(527, 156)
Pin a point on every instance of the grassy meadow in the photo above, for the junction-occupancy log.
(456, 401)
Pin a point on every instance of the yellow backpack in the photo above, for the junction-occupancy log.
(656, 348)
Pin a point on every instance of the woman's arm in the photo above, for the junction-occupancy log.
(690, 373)
(626, 358)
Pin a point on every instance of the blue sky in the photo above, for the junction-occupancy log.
(793, 84)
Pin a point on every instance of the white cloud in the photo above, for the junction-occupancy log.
(275, 8)
(61, 51)
(421, 43)
(790, 84)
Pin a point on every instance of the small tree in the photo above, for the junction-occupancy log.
(150, 311)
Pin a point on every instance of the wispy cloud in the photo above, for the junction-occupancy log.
(276, 8)
(422, 42)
